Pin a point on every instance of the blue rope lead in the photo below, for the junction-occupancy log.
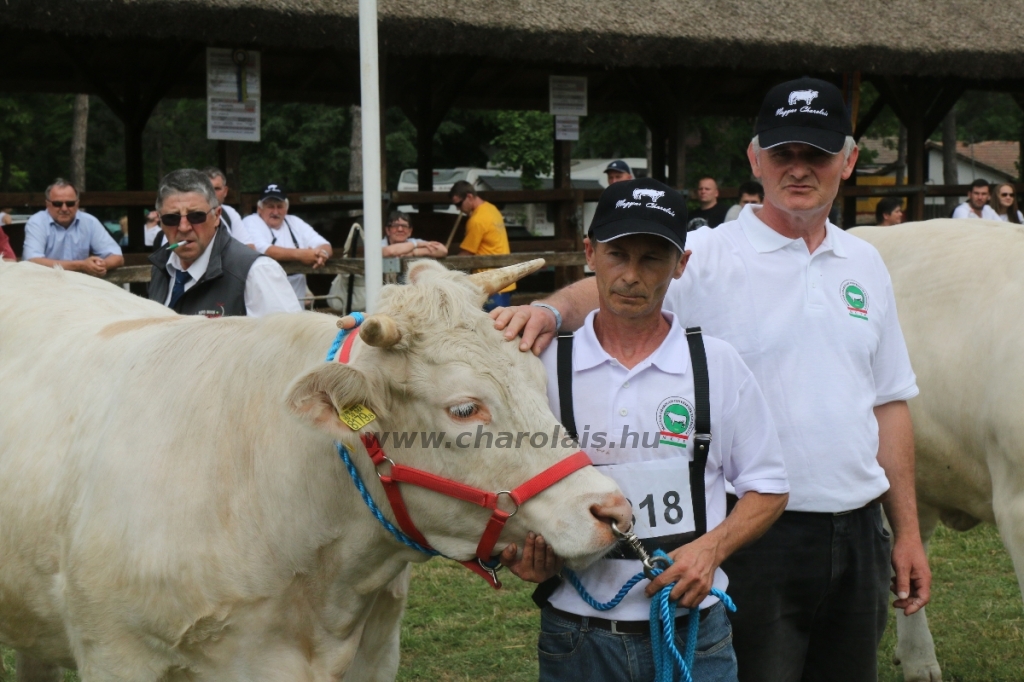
(374, 509)
(667, 659)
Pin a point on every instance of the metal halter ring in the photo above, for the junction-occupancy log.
(619, 533)
(509, 493)
(652, 563)
(377, 470)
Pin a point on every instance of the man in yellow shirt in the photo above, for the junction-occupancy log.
(485, 233)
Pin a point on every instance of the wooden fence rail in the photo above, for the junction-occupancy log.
(343, 266)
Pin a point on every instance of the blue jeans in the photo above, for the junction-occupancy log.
(571, 652)
(498, 300)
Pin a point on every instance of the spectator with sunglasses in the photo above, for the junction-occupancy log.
(65, 236)
(202, 270)
(1004, 203)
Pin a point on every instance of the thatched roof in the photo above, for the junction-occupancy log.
(912, 37)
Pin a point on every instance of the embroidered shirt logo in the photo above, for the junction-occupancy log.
(675, 421)
(855, 298)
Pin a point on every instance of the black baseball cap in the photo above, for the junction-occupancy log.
(273, 191)
(619, 165)
(807, 110)
(642, 206)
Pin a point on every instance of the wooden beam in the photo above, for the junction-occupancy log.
(865, 121)
(344, 266)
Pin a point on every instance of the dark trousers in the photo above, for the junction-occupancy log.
(812, 598)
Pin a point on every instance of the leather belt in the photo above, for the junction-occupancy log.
(623, 627)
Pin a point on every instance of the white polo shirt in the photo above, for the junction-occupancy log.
(264, 237)
(237, 227)
(608, 399)
(964, 211)
(821, 335)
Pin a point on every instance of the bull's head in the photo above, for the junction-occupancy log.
(454, 398)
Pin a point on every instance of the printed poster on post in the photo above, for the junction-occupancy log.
(567, 95)
(232, 94)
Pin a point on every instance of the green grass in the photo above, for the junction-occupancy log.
(976, 615)
(457, 628)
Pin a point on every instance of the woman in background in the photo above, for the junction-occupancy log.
(1004, 201)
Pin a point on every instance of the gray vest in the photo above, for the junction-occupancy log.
(221, 289)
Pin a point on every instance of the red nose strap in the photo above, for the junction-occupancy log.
(482, 498)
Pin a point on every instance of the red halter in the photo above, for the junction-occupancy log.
(482, 498)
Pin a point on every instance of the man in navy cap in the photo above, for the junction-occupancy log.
(810, 309)
(618, 171)
(637, 388)
(286, 237)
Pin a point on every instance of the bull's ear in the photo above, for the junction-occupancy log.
(318, 397)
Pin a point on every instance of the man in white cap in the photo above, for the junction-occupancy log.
(810, 308)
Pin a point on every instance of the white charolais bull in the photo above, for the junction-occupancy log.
(960, 290)
(171, 503)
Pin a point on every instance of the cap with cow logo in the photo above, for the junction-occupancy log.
(806, 110)
(640, 206)
(273, 191)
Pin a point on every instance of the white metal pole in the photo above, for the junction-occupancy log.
(370, 100)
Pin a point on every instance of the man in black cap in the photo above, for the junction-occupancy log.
(810, 308)
(618, 171)
(284, 237)
(629, 373)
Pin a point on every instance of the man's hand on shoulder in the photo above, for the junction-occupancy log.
(538, 563)
(536, 325)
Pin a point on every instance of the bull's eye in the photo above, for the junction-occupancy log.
(463, 410)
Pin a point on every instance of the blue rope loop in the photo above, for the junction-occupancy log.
(342, 333)
(667, 657)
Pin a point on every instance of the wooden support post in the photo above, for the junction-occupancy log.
(229, 155)
(659, 142)
(425, 130)
(677, 165)
(1018, 97)
(565, 223)
(920, 104)
(915, 165)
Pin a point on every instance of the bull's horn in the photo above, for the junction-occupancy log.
(380, 331)
(493, 281)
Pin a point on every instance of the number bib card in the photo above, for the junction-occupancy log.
(660, 494)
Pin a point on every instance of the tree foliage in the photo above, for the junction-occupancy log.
(525, 143)
(305, 146)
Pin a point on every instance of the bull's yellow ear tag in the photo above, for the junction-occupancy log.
(356, 416)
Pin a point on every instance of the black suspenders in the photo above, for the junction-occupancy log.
(702, 428)
(701, 447)
(701, 432)
(273, 237)
(564, 374)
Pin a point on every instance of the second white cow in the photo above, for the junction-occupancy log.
(172, 506)
(959, 287)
